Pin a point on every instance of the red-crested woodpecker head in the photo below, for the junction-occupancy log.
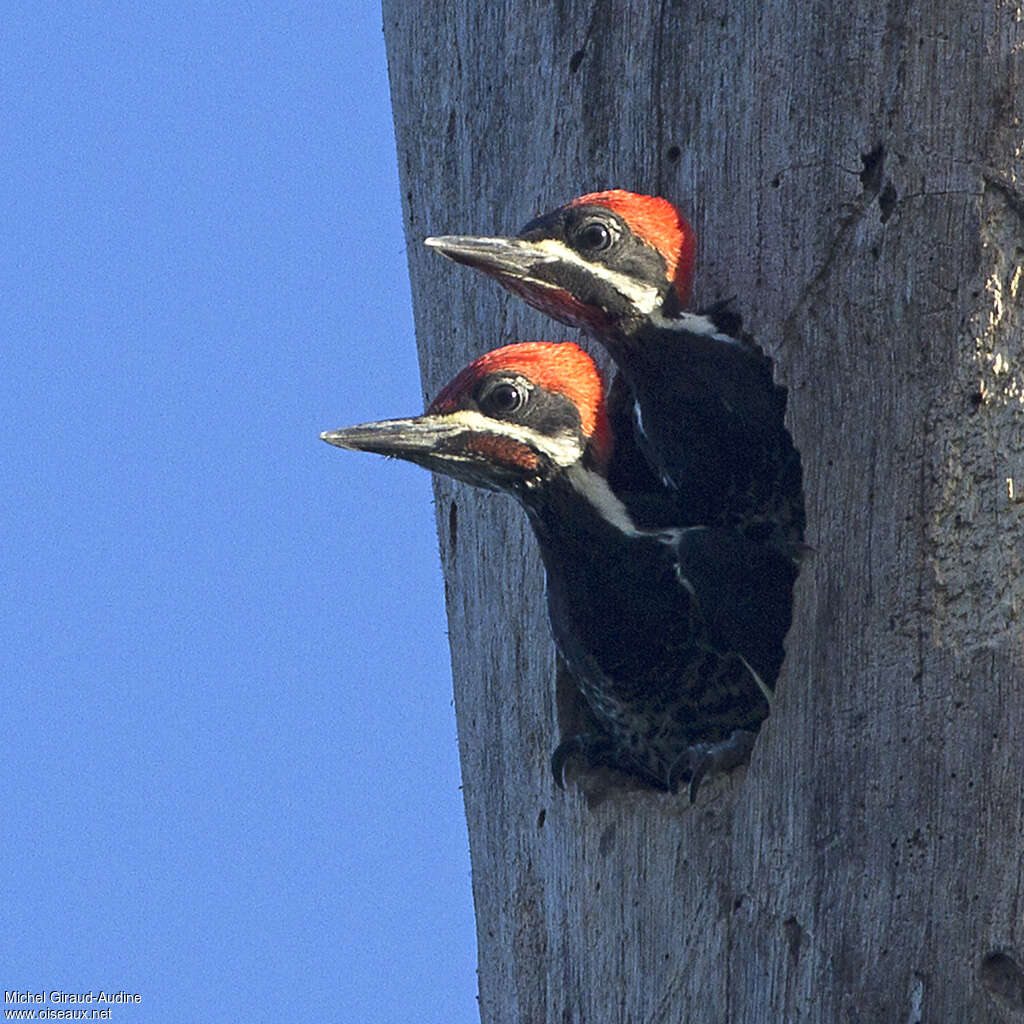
(607, 262)
(512, 420)
(660, 225)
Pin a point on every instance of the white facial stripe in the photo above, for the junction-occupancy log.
(563, 449)
(638, 419)
(644, 297)
(595, 489)
(693, 323)
(684, 582)
(765, 692)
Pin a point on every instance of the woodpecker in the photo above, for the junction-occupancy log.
(706, 412)
(673, 636)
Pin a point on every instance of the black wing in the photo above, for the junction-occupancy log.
(744, 590)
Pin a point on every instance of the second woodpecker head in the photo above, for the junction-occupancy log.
(606, 262)
(514, 420)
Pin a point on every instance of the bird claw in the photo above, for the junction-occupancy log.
(567, 748)
(593, 749)
(696, 763)
(706, 759)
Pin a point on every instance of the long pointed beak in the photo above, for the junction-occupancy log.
(440, 443)
(500, 257)
(537, 272)
(412, 439)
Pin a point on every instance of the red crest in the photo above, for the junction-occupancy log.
(660, 225)
(560, 367)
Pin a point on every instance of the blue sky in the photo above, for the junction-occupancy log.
(230, 776)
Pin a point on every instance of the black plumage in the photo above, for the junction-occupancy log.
(673, 635)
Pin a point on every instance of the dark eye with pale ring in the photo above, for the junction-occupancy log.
(502, 398)
(594, 237)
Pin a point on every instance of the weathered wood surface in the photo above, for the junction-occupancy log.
(855, 174)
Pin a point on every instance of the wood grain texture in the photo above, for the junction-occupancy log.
(856, 176)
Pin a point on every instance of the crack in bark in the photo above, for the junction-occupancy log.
(1008, 188)
(872, 177)
(659, 118)
(668, 1005)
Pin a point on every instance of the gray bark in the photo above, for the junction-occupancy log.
(855, 174)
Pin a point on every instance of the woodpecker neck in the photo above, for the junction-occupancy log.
(623, 617)
(685, 354)
(585, 529)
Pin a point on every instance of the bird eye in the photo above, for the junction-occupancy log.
(594, 236)
(503, 398)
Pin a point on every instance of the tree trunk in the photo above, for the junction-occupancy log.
(855, 175)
